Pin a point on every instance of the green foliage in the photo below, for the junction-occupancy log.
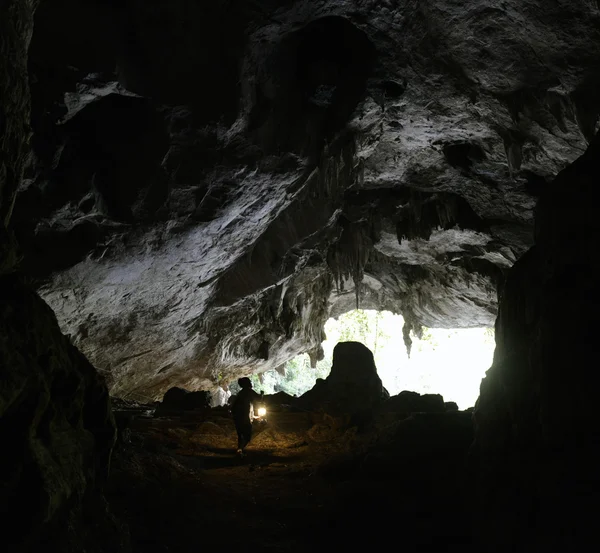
(256, 383)
(432, 367)
(355, 326)
(428, 341)
(489, 334)
(362, 326)
(299, 377)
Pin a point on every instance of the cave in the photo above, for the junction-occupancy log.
(189, 191)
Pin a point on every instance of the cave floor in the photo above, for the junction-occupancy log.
(181, 491)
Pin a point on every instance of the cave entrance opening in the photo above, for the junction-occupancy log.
(450, 362)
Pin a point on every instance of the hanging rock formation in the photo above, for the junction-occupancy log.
(197, 210)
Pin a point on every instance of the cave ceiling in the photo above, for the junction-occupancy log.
(209, 182)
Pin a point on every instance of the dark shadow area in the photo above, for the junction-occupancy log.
(321, 72)
(323, 472)
(254, 458)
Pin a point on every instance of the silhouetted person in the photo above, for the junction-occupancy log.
(242, 409)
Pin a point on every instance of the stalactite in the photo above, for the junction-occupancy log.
(411, 325)
(407, 339)
(349, 256)
(421, 213)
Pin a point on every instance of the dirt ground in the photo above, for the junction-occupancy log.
(179, 487)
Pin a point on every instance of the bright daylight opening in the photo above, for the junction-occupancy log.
(450, 362)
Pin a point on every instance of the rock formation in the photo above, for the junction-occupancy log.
(57, 431)
(177, 400)
(197, 210)
(353, 385)
(536, 421)
(196, 187)
(56, 425)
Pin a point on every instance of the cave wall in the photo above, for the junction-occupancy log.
(56, 425)
(194, 167)
(57, 431)
(536, 421)
(225, 218)
(17, 26)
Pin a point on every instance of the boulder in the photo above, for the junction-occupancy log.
(420, 448)
(353, 386)
(57, 433)
(178, 400)
(220, 397)
(280, 401)
(412, 402)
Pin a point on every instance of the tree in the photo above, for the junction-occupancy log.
(489, 335)
(427, 341)
(382, 333)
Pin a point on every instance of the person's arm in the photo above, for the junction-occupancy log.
(256, 398)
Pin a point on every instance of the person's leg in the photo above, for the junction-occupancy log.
(249, 433)
(246, 435)
(241, 439)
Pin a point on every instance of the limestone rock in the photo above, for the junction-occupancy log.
(16, 27)
(412, 402)
(220, 397)
(411, 447)
(280, 401)
(178, 400)
(353, 385)
(187, 234)
(527, 447)
(57, 431)
(195, 203)
(56, 425)
(412, 475)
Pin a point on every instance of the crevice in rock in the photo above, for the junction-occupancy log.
(424, 212)
(310, 85)
(463, 154)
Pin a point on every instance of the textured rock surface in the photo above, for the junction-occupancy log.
(208, 183)
(536, 419)
(177, 400)
(200, 211)
(412, 402)
(57, 432)
(56, 426)
(353, 385)
(16, 23)
(411, 476)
